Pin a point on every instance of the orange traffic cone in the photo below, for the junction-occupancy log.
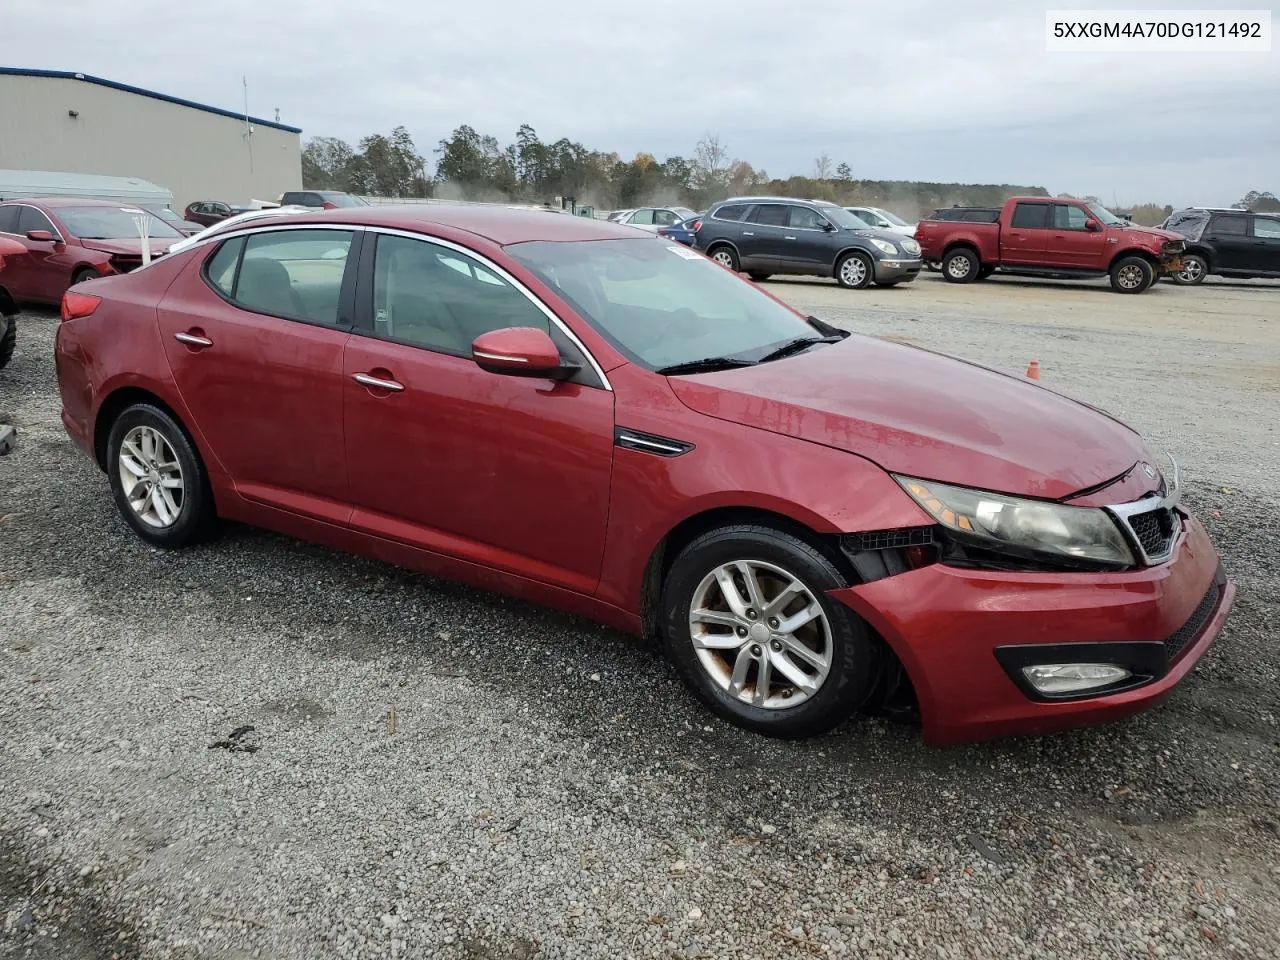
(1033, 370)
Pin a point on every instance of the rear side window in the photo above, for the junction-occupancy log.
(1030, 216)
(296, 274)
(770, 214)
(9, 219)
(1231, 225)
(731, 211)
(221, 268)
(1266, 228)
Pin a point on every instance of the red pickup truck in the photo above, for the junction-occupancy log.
(1051, 237)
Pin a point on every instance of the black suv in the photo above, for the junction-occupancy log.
(762, 236)
(321, 199)
(1228, 243)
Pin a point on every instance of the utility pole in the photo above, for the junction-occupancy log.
(248, 127)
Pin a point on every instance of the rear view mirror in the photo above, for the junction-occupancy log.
(520, 352)
(41, 236)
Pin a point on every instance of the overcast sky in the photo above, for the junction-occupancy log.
(898, 89)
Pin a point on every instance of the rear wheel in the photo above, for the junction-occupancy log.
(8, 339)
(760, 277)
(854, 271)
(1194, 269)
(725, 256)
(1132, 275)
(157, 479)
(748, 624)
(961, 265)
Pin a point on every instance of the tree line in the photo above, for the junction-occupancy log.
(470, 165)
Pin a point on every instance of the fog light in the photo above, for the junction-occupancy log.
(1073, 677)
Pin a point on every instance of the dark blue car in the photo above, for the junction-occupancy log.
(681, 232)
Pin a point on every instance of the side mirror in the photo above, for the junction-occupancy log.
(520, 352)
(41, 236)
(1093, 226)
(828, 226)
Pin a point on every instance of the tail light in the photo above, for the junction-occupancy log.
(696, 226)
(77, 305)
(329, 205)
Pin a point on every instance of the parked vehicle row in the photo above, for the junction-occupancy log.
(612, 425)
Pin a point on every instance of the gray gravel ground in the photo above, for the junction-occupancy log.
(550, 791)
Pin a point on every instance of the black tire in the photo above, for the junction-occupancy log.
(8, 339)
(1195, 269)
(853, 653)
(1132, 275)
(724, 255)
(760, 277)
(196, 518)
(961, 265)
(83, 274)
(887, 283)
(853, 279)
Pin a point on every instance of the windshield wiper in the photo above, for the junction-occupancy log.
(705, 365)
(795, 346)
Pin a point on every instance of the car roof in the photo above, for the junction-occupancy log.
(501, 225)
(71, 202)
(767, 199)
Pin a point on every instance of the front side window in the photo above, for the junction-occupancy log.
(295, 274)
(432, 296)
(1067, 217)
(803, 218)
(1030, 216)
(32, 219)
(1266, 228)
(660, 303)
(644, 217)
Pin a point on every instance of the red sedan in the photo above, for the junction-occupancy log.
(611, 424)
(70, 240)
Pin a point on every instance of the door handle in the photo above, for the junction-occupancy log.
(193, 340)
(377, 383)
(788, 238)
(747, 233)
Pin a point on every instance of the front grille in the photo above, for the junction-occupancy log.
(1177, 643)
(891, 539)
(1154, 530)
(1173, 247)
(124, 263)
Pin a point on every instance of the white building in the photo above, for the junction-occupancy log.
(75, 123)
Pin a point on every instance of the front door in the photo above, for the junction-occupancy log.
(806, 244)
(255, 338)
(1024, 241)
(1071, 243)
(508, 472)
(1264, 254)
(1228, 234)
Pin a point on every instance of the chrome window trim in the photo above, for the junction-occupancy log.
(425, 238)
(1169, 498)
(59, 238)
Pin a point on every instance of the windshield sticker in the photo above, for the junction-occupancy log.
(687, 253)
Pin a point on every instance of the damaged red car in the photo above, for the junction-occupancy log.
(814, 522)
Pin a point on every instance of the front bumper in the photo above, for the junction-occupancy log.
(895, 268)
(953, 627)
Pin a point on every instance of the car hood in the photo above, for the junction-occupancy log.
(925, 415)
(129, 248)
(1150, 232)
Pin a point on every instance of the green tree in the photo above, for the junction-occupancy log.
(1260, 201)
(324, 163)
(388, 167)
(462, 158)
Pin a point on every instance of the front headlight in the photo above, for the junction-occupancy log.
(886, 246)
(911, 246)
(997, 521)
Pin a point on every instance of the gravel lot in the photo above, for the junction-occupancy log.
(550, 791)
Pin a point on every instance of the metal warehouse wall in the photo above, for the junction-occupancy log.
(196, 154)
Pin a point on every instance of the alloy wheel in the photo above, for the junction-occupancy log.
(958, 267)
(151, 477)
(1190, 272)
(853, 271)
(761, 634)
(724, 257)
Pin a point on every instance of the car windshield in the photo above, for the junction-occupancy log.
(164, 213)
(893, 218)
(660, 303)
(862, 216)
(841, 217)
(684, 213)
(344, 200)
(1106, 216)
(111, 223)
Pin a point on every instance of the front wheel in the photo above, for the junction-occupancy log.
(854, 271)
(83, 274)
(1194, 269)
(725, 256)
(157, 478)
(1132, 275)
(748, 624)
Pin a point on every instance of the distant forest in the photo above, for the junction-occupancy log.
(474, 166)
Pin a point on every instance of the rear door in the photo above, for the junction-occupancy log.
(255, 336)
(1070, 244)
(1228, 235)
(1265, 256)
(1023, 242)
(760, 243)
